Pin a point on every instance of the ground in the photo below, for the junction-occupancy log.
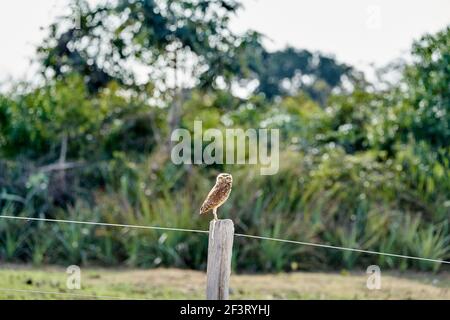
(26, 282)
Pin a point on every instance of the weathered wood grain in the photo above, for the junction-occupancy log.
(221, 235)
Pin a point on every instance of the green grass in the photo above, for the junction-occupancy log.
(24, 282)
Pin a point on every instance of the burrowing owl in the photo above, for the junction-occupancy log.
(218, 194)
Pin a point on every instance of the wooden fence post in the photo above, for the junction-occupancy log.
(220, 245)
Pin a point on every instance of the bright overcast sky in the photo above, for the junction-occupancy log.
(357, 32)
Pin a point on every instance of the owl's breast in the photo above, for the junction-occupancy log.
(224, 192)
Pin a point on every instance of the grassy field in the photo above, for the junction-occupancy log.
(24, 282)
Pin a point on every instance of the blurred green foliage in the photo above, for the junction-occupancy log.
(360, 167)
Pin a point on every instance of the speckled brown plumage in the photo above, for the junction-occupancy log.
(218, 195)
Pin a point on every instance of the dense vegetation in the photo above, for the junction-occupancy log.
(361, 165)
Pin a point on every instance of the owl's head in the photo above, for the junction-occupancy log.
(225, 177)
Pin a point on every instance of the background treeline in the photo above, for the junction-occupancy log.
(362, 165)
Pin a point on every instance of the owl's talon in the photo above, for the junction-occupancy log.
(212, 230)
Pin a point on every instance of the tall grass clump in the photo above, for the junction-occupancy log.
(328, 197)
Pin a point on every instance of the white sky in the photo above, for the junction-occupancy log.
(357, 32)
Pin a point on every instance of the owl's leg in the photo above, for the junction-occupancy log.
(214, 223)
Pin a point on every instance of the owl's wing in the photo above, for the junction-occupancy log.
(210, 200)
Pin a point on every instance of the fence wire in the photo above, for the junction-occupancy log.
(311, 244)
(5, 291)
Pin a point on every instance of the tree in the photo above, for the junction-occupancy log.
(181, 43)
(428, 89)
(288, 71)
